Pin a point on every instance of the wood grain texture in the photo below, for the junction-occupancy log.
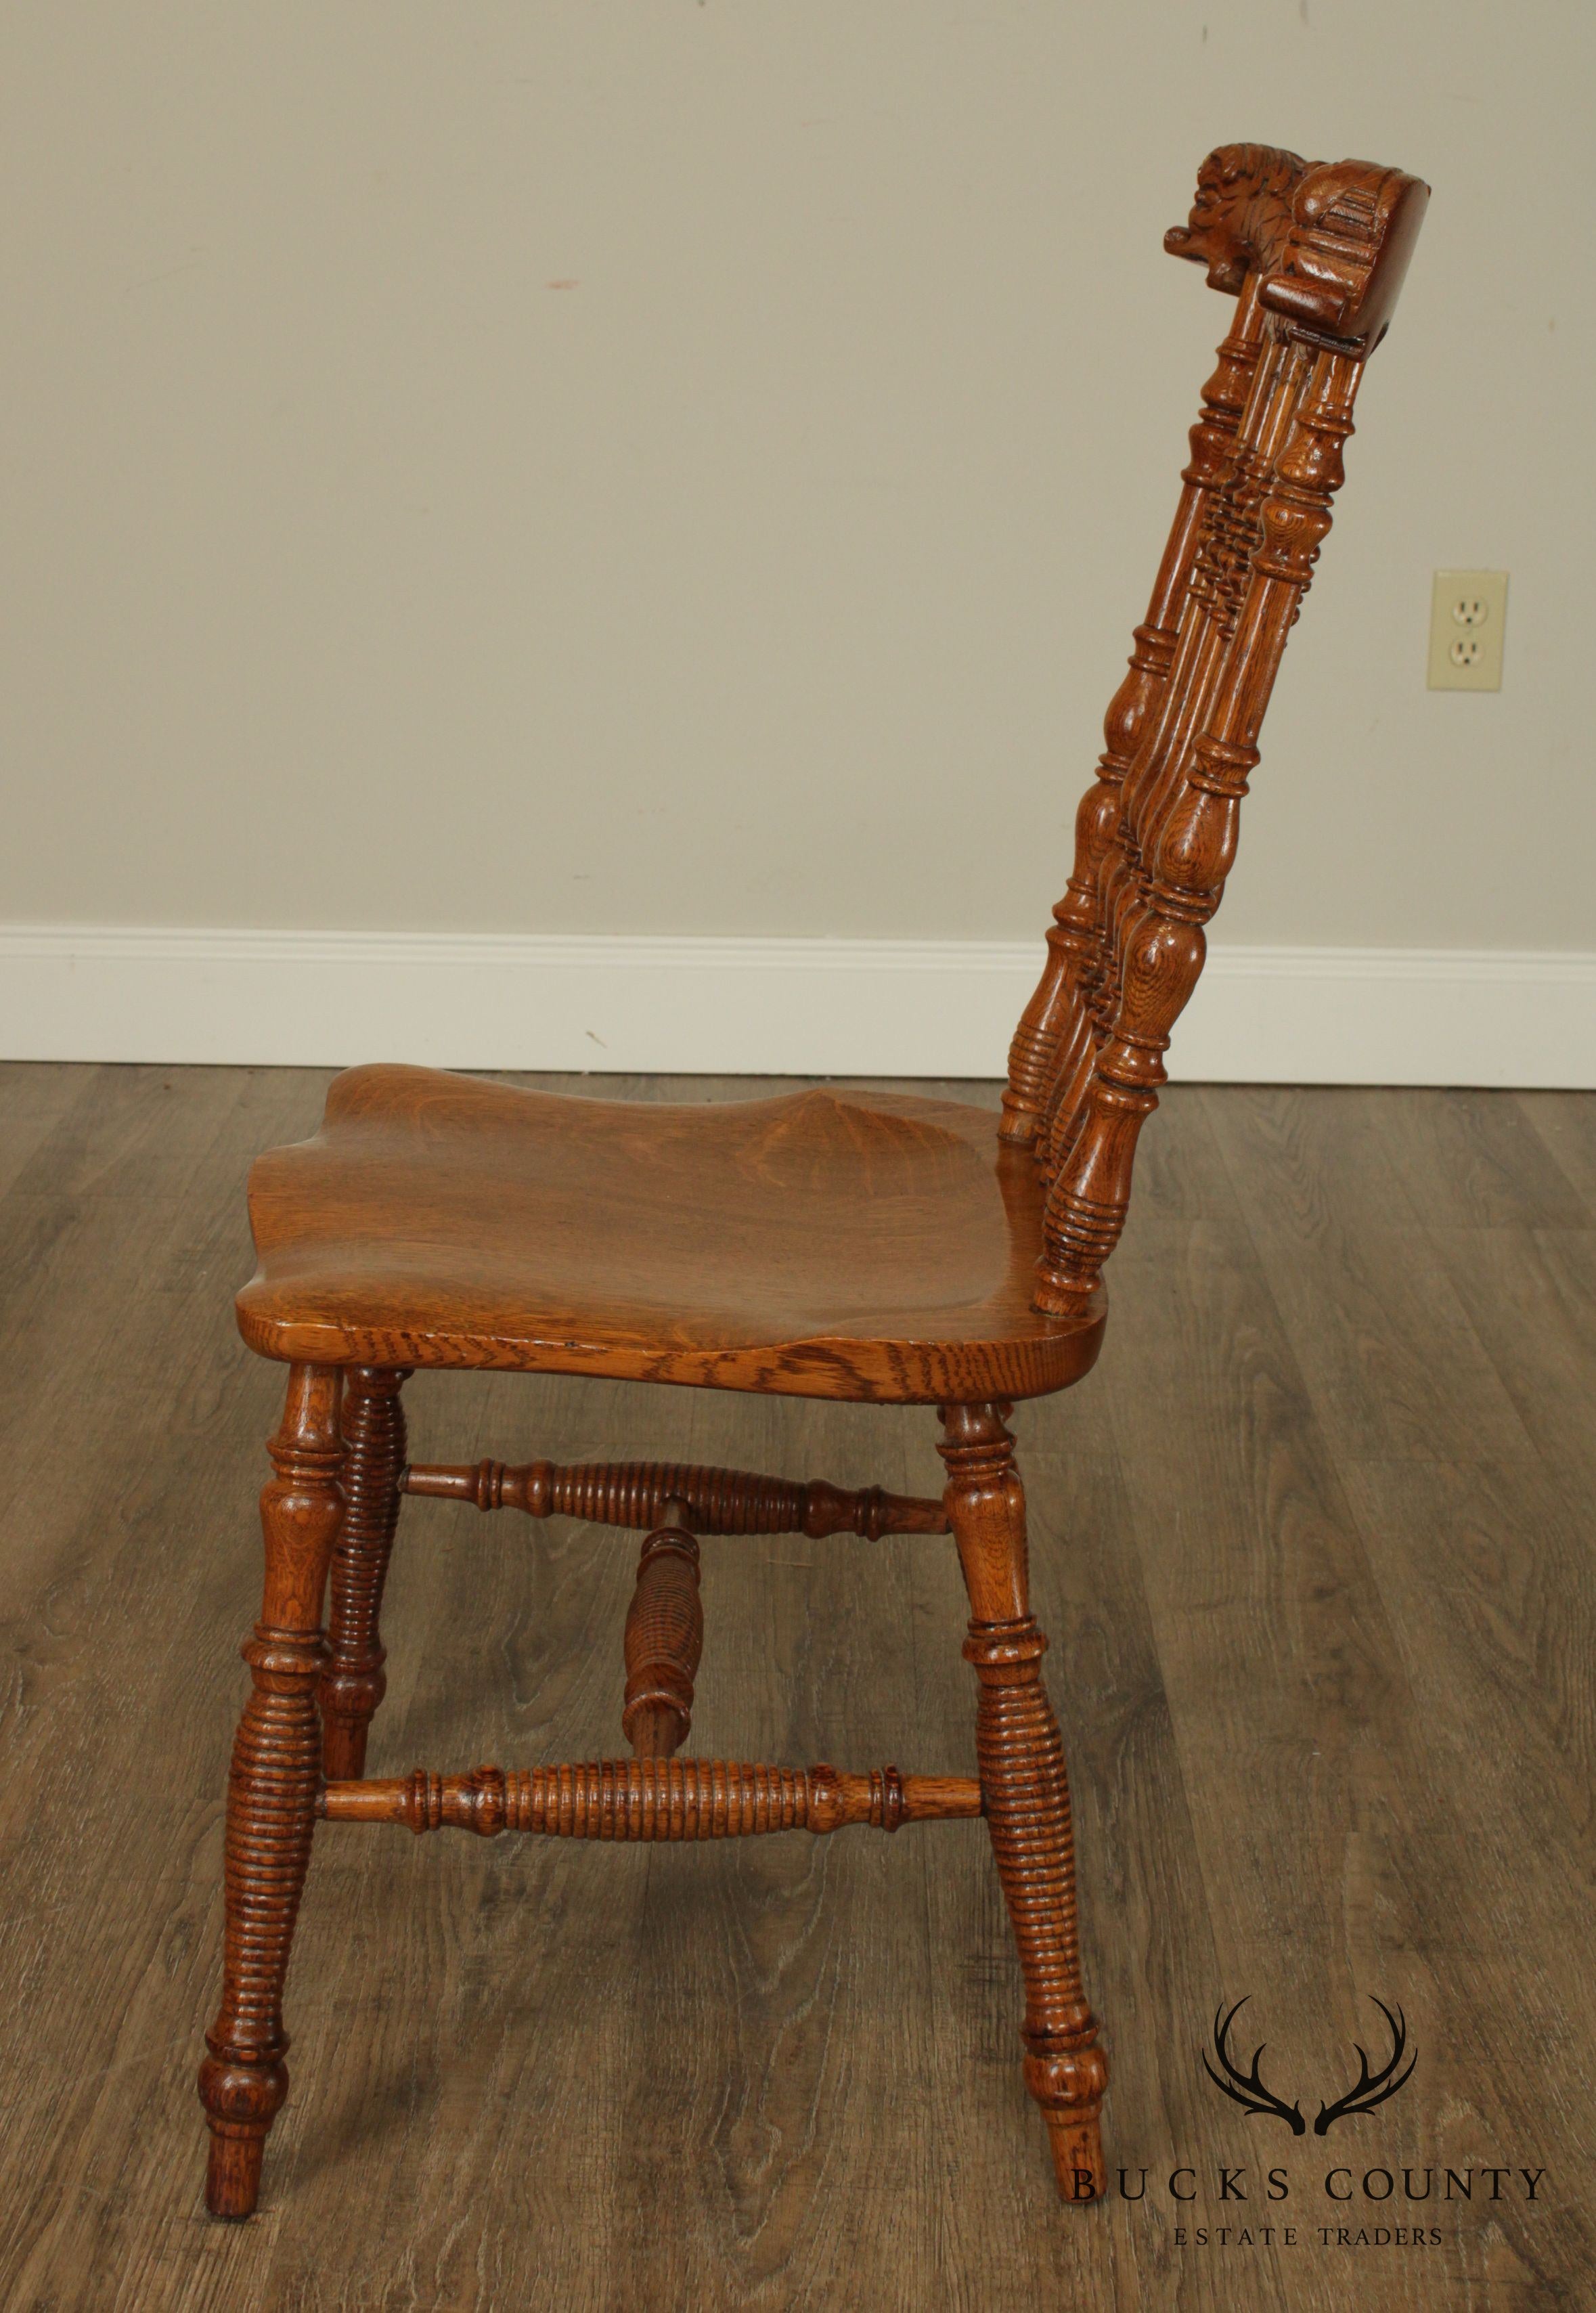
(1328, 1729)
(1565, 1129)
(824, 1245)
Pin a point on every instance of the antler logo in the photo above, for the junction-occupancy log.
(1370, 2089)
(1248, 2090)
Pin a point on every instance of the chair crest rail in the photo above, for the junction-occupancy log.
(634, 1494)
(652, 1799)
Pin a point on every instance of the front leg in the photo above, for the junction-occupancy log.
(271, 1793)
(1025, 1791)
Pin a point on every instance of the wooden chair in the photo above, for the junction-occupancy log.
(833, 1244)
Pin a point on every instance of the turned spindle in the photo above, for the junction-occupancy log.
(635, 1493)
(654, 1798)
(664, 1638)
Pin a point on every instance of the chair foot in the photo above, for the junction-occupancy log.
(241, 2103)
(1074, 2130)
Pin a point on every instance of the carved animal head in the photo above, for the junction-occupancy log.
(1241, 218)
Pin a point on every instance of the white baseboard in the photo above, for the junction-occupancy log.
(769, 1006)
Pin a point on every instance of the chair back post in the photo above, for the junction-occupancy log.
(1238, 226)
(1315, 257)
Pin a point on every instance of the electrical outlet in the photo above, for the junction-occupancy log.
(1468, 624)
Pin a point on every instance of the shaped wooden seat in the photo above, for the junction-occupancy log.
(827, 1244)
(823, 1244)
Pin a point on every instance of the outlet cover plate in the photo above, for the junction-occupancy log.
(1467, 628)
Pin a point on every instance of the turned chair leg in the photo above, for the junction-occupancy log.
(1025, 1791)
(272, 1790)
(352, 1684)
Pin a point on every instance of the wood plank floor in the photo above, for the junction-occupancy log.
(1315, 1551)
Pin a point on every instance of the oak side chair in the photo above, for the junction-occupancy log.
(875, 1247)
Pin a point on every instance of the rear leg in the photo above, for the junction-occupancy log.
(1026, 1791)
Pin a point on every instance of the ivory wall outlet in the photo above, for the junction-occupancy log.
(1468, 623)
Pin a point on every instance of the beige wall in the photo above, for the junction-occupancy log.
(772, 575)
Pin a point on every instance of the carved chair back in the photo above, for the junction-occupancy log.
(1314, 257)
